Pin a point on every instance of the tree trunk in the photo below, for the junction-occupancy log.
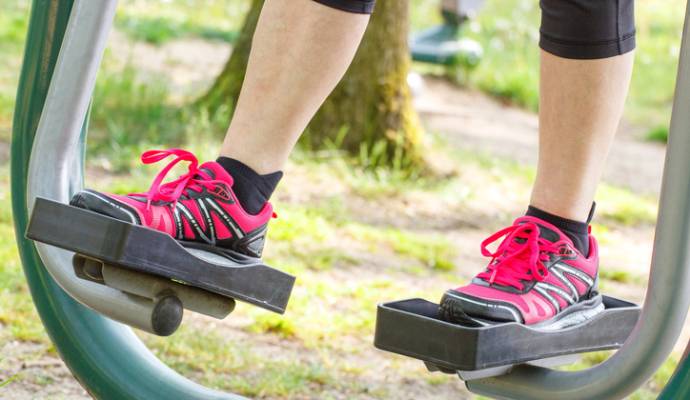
(370, 113)
(226, 89)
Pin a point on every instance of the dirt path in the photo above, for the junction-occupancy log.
(39, 374)
(472, 120)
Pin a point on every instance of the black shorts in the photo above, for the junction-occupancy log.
(355, 6)
(579, 29)
(586, 29)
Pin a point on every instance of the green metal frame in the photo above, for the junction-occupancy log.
(679, 385)
(105, 356)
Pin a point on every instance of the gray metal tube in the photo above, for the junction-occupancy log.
(55, 153)
(668, 295)
(151, 287)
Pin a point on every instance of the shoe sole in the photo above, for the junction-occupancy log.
(451, 311)
(573, 315)
(233, 255)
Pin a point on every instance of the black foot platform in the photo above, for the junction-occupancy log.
(105, 245)
(413, 328)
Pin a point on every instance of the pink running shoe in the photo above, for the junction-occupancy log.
(536, 277)
(198, 209)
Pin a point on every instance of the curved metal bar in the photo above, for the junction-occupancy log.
(668, 298)
(52, 171)
(105, 356)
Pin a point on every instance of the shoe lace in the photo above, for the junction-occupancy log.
(195, 179)
(520, 256)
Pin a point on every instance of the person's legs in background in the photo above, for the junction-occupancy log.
(545, 264)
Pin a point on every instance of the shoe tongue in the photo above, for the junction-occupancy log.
(545, 230)
(217, 172)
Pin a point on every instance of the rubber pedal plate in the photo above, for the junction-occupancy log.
(152, 252)
(414, 328)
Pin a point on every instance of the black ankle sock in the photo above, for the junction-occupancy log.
(577, 231)
(252, 190)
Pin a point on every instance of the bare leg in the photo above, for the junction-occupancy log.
(301, 49)
(581, 103)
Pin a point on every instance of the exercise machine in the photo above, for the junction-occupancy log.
(64, 47)
(443, 44)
